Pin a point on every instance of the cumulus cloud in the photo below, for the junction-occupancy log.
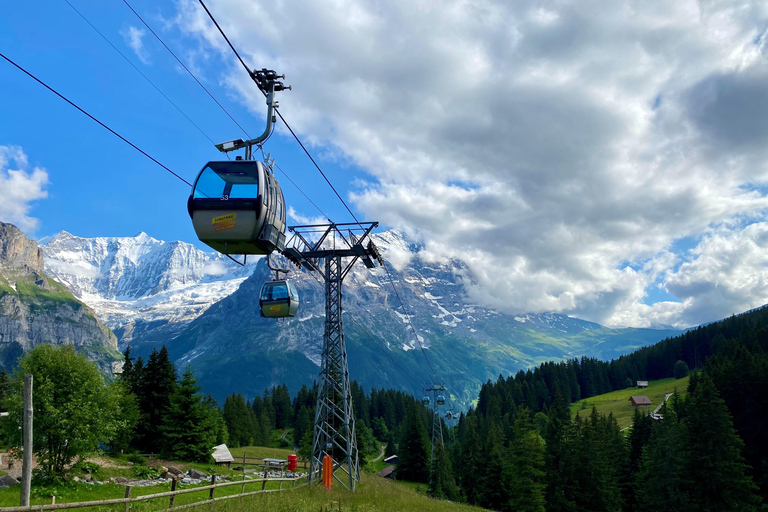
(133, 37)
(559, 152)
(19, 186)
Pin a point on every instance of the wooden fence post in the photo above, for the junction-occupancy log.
(243, 459)
(264, 485)
(26, 468)
(53, 499)
(213, 482)
(173, 488)
(242, 490)
(127, 495)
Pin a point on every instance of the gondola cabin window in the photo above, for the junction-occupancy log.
(225, 184)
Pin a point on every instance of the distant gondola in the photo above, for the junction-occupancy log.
(440, 400)
(425, 400)
(237, 207)
(279, 299)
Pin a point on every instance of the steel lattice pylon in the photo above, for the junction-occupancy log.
(334, 431)
(437, 421)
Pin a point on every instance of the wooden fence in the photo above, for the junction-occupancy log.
(252, 461)
(171, 495)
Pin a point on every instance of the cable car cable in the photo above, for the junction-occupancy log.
(380, 347)
(250, 73)
(185, 67)
(351, 317)
(297, 187)
(237, 54)
(407, 316)
(140, 72)
(134, 146)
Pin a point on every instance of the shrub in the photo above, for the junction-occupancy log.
(136, 459)
(86, 467)
(145, 472)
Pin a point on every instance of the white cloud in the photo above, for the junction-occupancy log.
(559, 152)
(133, 37)
(19, 187)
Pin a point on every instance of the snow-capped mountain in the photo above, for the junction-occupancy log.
(142, 288)
(204, 308)
(232, 349)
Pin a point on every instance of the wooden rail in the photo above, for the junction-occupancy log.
(255, 461)
(169, 494)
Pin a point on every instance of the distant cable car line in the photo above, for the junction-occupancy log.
(185, 67)
(140, 72)
(250, 73)
(134, 146)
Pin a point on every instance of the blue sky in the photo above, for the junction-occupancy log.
(100, 186)
(607, 161)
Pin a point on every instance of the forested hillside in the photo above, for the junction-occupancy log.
(520, 449)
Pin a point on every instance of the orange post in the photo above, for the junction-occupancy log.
(328, 472)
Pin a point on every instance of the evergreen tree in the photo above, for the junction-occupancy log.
(413, 449)
(391, 445)
(558, 459)
(658, 482)
(281, 402)
(185, 425)
(680, 370)
(715, 475)
(302, 424)
(442, 484)
(155, 388)
(526, 479)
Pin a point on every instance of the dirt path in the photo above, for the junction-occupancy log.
(381, 454)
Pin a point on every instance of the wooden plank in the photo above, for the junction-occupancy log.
(128, 500)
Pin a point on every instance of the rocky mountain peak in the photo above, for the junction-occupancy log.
(18, 252)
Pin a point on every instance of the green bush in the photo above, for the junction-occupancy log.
(145, 472)
(86, 467)
(137, 459)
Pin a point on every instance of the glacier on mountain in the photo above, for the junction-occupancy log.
(140, 285)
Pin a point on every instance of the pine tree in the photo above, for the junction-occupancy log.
(184, 428)
(442, 484)
(716, 477)
(413, 449)
(527, 480)
(658, 482)
(155, 388)
(559, 459)
(391, 445)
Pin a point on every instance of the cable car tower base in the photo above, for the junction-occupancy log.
(334, 431)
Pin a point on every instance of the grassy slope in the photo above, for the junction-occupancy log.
(617, 402)
(373, 494)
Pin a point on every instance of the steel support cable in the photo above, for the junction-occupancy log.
(297, 187)
(250, 73)
(139, 71)
(134, 146)
(365, 331)
(185, 68)
(408, 317)
(381, 348)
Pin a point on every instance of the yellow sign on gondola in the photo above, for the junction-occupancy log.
(224, 222)
(223, 218)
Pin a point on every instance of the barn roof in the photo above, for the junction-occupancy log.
(387, 471)
(641, 400)
(221, 454)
